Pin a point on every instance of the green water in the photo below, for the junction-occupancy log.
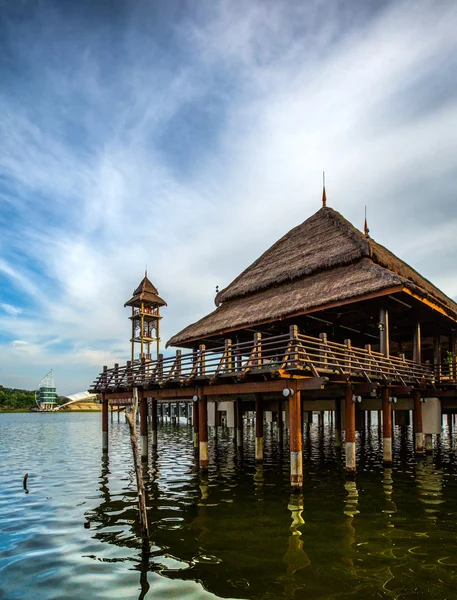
(236, 532)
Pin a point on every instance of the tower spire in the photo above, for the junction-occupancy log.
(366, 231)
(324, 195)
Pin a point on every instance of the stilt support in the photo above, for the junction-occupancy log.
(154, 423)
(239, 423)
(203, 432)
(258, 427)
(195, 424)
(349, 414)
(296, 442)
(104, 424)
(428, 443)
(418, 435)
(337, 423)
(386, 428)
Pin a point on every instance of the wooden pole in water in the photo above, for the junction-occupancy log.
(203, 432)
(258, 427)
(337, 423)
(144, 428)
(417, 415)
(131, 419)
(154, 423)
(239, 424)
(386, 428)
(349, 414)
(195, 424)
(296, 442)
(104, 424)
(280, 423)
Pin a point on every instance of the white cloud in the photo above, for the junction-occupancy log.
(14, 311)
(297, 94)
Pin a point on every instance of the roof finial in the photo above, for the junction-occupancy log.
(324, 196)
(365, 226)
(146, 271)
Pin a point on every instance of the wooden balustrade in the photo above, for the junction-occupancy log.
(290, 352)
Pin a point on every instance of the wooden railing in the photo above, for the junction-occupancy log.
(276, 355)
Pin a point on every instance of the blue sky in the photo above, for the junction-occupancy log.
(189, 136)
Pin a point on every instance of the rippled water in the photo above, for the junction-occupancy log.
(233, 533)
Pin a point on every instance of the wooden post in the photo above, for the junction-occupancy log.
(417, 415)
(323, 350)
(257, 350)
(195, 424)
(386, 427)
(104, 424)
(337, 423)
(131, 419)
(348, 345)
(228, 355)
(349, 414)
(202, 351)
(280, 423)
(258, 427)
(437, 357)
(239, 424)
(154, 423)
(144, 428)
(417, 345)
(296, 442)
(203, 431)
(384, 332)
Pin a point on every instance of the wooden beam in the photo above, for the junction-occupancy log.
(429, 304)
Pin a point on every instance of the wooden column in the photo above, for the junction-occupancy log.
(386, 427)
(104, 424)
(417, 344)
(258, 427)
(203, 432)
(154, 423)
(437, 356)
(296, 442)
(337, 423)
(417, 415)
(239, 423)
(384, 332)
(349, 426)
(195, 424)
(144, 428)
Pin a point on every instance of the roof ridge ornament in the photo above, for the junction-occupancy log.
(324, 195)
(366, 230)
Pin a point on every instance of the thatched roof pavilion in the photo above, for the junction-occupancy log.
(325, 275)
(146, 292)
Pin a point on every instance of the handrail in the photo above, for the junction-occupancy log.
(291, 352)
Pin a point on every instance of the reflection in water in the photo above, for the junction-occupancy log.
(387, 485)
(235, 532)
(259, 481)
(295, 557)
(430, 480)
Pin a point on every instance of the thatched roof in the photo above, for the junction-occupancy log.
(146, 293)
(323, 260)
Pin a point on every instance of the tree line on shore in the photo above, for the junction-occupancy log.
(15, 399)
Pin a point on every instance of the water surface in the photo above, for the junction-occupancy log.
(236, 532)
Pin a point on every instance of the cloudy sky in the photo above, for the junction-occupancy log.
(189, 136)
